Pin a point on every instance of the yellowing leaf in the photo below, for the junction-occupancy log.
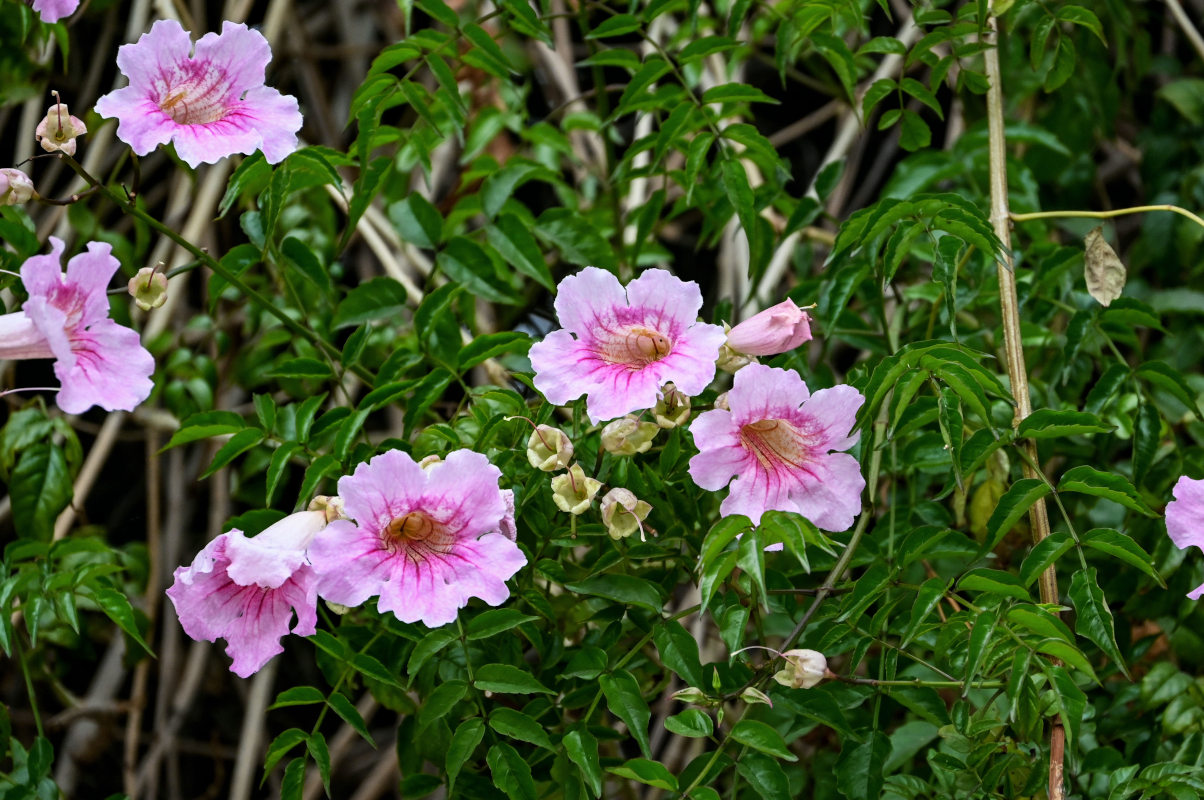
(1103, 269)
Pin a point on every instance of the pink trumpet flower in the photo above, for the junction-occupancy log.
(211, 101)
(66, 317)
(777, 441)
(1185, 519)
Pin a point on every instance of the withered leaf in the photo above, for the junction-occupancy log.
(1103, 269)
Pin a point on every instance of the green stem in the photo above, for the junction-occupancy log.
(1116, 212)
(33, 698)
(216, 266)
(920, 682)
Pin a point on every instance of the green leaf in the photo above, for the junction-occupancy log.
(765, 776)
(1118, 545)
(760, 736)
(495, 621)
(440, 702)
(927, 596)
(514, 242)
(625, 701)
(625, 589)
(293, 783)
(618, 25)
(485, 53)
(750, 557)
(508, 679)
(510, 772)
(298, 696)
(1090, 481)
(653, 69)
(736, 93)
(301, 368)
(713, 574)
(349, 714)
(1043, 554)
(577, 240)
(652, 773)
(1171, 381)
(1068, 654)
(251, 177)
(517, 725)
(582, 750)
(980, 640)
(1093, 617)
(491, 345)
(40, 488)
(1084, 18)
(995, 582)
(464, 741)
(1014, 504)
(429, 645)
(498, 186)
(1049, 424)
(692, 722)
(239, 443)
(859, 767)
(117, 608)
(465, 262)
(316, 745)
(678, 651)
(417, 221)
(914, 133)
(1037, 620)
(281, 746)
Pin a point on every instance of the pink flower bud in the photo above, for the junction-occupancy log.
(775, 330)
(15, 187)
(58, 129)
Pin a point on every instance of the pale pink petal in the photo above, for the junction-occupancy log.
(272, 557)
(112, 370)
(241, 53)
(761, 392)
(1185, 514)
(665, 300)
(54, 10)
(627, 345)
(89, 273)
(212, 103)
(833, 501)
(830, 414)
(41, 275)
(423, 541)
(253, 618)
(586, 302)
(508, 527)
(776, 442)
(21, 338)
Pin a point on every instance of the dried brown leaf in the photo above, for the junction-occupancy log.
(1103, 269)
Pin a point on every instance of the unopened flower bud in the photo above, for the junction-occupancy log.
(804, 669)
(573, 491)
(731, 361)
(775, 330)
(623, 513)
(690, 695)
(672, 408)
(337, 608)
(752, 695)
(333, 506)
(58, 129)
(721, 402)
(549, 449)
(15, 187)
(149, 288)
(430, 461)
(627, 436)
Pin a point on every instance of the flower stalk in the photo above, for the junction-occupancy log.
(1017, 371)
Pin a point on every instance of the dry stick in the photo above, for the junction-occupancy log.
(1017, 372)
(250, 738)
(381, 778)
(846, 136)
(1189, 30)
(133, 723)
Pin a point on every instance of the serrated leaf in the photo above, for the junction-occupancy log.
(625, 701)
(508, 679)
(1090, 481)
(1093, 617)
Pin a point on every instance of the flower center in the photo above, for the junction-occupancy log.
(774, 442)
(198, 100)
(418, 535)
(636, 346)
